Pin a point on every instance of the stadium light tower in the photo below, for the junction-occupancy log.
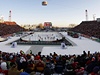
(2, 20)
(10, 15)
(86, 14)
(94, 15)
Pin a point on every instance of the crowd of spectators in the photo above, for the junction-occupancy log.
(9, 29)
(30, 64)
(90, 28)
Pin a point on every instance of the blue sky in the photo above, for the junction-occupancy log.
(59, 12)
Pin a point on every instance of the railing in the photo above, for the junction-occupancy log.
(57, 42)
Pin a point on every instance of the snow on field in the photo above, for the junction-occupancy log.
(83, 44)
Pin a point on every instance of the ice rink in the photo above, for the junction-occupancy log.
(43, 36)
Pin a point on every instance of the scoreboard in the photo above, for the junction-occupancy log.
(47, 24)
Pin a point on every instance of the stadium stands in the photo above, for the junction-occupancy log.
(90, 28)
(84, 64)
(9, 28)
